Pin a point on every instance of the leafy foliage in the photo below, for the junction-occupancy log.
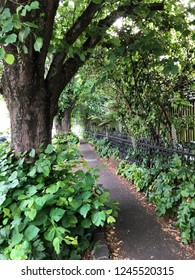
(147, 73)
(103, 147)
(48, 210)
(170, 186)
(15, 30)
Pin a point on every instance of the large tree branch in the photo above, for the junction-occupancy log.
(72, 34)
(49, 7)
(63, 75)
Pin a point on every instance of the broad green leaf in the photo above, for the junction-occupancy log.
(86, 223)
(32, 153)
(31, 214)
(13, 176)
(111, 220)
(2, 52)
(17, 237)
(50, 233)
(8, 25)
(53, 188)
(98, 218)
(13, 184)
(38, 44)
(34, 5)
(25, 49)
(32, 172)
(2, 198)
(31, 191)
(31, 232)
(192, 203)
(82, 57)
(18, 253)
(46, 170)
(186, 33)
(49, 149)
(56, 244)
(10, 39)
(56, 214)
(84, 210)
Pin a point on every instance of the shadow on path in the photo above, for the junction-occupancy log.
(141, 235)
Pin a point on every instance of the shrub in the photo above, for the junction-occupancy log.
(103, 147)
(48, 211)
(170, 186)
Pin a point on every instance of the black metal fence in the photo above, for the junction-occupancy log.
(146, 151)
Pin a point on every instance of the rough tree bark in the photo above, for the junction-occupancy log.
(31, 97)
(63, 123)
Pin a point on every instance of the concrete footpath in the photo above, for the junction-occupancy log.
(141, 235)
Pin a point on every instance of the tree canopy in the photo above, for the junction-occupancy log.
(44, 43)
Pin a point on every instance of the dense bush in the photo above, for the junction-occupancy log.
(103, 147)
(48, 210)
(170, 186)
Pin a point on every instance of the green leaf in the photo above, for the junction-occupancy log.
(56, 244)
(31, 232)
(32, 172)
(10, 39)
(86, 223)
(192, 203)
(49, 149)
(9, 58)
(2, 52)
(38, 44)
(2, 198)
(56, 214)
(8, 25)
(13, 184)
(98, 218)
(84, 210)
(50, 233)
(82, 57)
(13, 176)
(111, 220)
(53, 188)
(46, 170)
(34, 5)
(17, 237)
(25, 49)
(31, 214)
(32, 153)
(18, 253)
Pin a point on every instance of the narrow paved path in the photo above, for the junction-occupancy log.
(142, 236)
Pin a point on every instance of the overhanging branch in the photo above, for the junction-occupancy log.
(72, 34)
(62, 74)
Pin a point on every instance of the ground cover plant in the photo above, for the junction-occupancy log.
(169, 184)
(103, 147)
(47, 209)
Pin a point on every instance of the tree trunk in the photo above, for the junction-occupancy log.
(67, 120)
(28, 102)
(63, 122)
(58, 125)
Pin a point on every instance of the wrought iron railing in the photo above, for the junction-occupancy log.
(146, 150)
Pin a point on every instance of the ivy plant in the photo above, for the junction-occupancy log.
(48, 210)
